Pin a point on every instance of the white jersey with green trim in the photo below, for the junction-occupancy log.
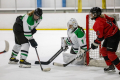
(28, 24)
(77, 37)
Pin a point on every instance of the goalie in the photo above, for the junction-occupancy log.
(77, 40)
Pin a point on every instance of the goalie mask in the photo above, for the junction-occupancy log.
(72, 24)
(95, 12)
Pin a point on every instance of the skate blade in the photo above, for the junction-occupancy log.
(12, 62)
(110, 71)
(24, 66)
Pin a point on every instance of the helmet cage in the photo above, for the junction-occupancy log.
(72, 22)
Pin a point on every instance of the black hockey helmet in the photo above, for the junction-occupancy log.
(96, 11)
(38, 12)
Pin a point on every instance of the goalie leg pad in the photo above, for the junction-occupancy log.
(67, 57)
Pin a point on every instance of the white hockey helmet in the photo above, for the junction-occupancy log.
(72, 22)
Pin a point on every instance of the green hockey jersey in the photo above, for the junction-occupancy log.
(78, 39)
(29, 24)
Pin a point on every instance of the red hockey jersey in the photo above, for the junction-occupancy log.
(104, 27)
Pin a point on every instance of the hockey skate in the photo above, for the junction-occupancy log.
(24, 64)
(111, 68)
(13, 61)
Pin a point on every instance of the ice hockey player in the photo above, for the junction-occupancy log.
(106, 30)
(77, 40)
(24, 28)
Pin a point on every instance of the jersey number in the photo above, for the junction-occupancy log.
(82, 41)
(109, 22)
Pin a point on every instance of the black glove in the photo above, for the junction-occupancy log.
(93, 46)
(33, 31)
(33, 43)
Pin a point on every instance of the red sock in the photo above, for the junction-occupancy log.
(113, 57)
(105, 56)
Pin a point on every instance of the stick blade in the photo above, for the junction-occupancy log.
(47, 69)
(6, 46)
(58, 64)
(44, 63)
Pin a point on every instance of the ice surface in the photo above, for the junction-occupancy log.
(49, 42)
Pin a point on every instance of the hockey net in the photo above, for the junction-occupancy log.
(94, 57)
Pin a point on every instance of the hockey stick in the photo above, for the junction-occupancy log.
(51, 59)
(64, 65)
(6, 47)
(45, 70)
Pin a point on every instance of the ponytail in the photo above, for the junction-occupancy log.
(102, 16)
(81, 29)
(31, 13)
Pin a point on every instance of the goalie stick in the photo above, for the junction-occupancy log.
(45, 70)
(64, 65)
(6, 47)
(51, 59)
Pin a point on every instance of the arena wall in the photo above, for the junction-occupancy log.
(55, 21)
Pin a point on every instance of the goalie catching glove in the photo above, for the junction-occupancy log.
(64, 43)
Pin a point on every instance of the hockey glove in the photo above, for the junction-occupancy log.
(68, 41)
(64, 44)
(33, 31)
(33, 43)
(94, 45)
